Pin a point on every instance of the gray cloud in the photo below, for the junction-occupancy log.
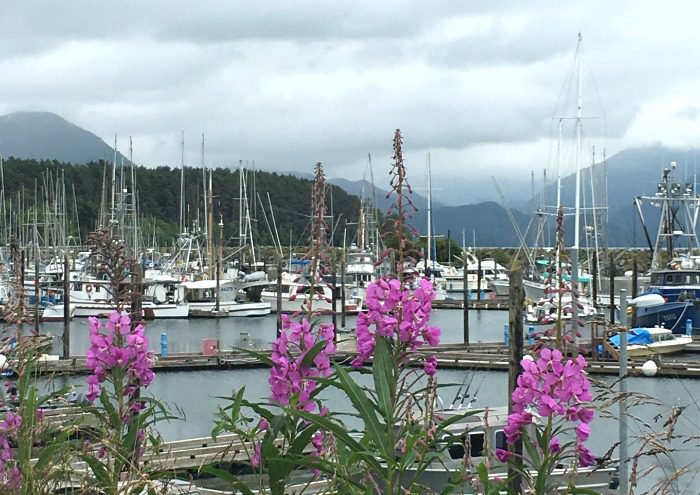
(290, 83)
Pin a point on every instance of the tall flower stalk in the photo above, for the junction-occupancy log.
(121, 367)
(552, 413)
(401, 436)
(33, 453)
(318, 247)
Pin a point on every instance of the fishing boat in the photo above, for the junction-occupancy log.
(546, 310)
(477, 435)
(201, 295)
(650, 342)
(297, 291)
(94, 297)
(675, 267)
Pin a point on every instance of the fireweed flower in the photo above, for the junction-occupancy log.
(554, 388)
(397, 313)
(116, 345)
(10, 474)
(291, 379)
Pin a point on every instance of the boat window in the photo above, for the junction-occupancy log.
(476, 444)
(456, 450)
(501, 440)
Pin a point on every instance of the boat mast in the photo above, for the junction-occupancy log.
(6, 232)
(577, 203)
(182, 182)
(430, 203)
(114, 180)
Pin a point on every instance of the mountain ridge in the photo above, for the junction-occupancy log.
(629, 173)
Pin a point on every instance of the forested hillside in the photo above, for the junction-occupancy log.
(158, 198)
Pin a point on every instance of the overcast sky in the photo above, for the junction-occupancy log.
(480, 84)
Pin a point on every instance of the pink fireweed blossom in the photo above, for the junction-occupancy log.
(10, 474)
(291, 378)
(554, 387)
(116, 345)
(397, 313)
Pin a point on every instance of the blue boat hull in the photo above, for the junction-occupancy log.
(672, 315)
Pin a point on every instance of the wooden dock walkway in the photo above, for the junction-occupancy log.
(485, 356)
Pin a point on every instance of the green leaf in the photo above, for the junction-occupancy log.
(99, 470)
(343, 437)
(302, 440)
(384, 381)
(312, 353)
(366, 409)
(278, 467)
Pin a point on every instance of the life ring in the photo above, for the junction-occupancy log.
(88, 288)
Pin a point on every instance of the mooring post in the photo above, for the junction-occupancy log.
(342, 290)
(66, 307)
(334, 295)
(515, 313)
(624, 469)
(136, 293)
(218, 284)
(465, 291)
(595, 279)
(37, 295)
(612, 288)
(279, 296)
(478, 279)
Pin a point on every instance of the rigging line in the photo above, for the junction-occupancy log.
(269, 227)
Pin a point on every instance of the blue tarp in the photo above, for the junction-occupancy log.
(638, 336)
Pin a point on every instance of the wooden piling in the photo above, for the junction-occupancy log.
(217, 308)
(342, 290)
(478, 279)
(612, 288)
(279, 296)
(37, 296)
(334, 295)
(516, 301)
(465, 291)
(66, 307)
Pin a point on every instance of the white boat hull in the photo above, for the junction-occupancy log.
(233, 308)
(658, 348)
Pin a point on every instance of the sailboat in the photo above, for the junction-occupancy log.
(555, 273)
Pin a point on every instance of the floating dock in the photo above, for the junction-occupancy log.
(482, 356)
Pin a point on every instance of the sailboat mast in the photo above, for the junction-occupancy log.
(133, 199)
(182, 181)
(114, 180)
(577, 204)
(430, 203)
(579, 123)
(6, 233)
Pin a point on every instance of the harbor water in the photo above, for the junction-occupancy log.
(198, 394)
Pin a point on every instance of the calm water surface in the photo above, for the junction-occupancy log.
(199, 394)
